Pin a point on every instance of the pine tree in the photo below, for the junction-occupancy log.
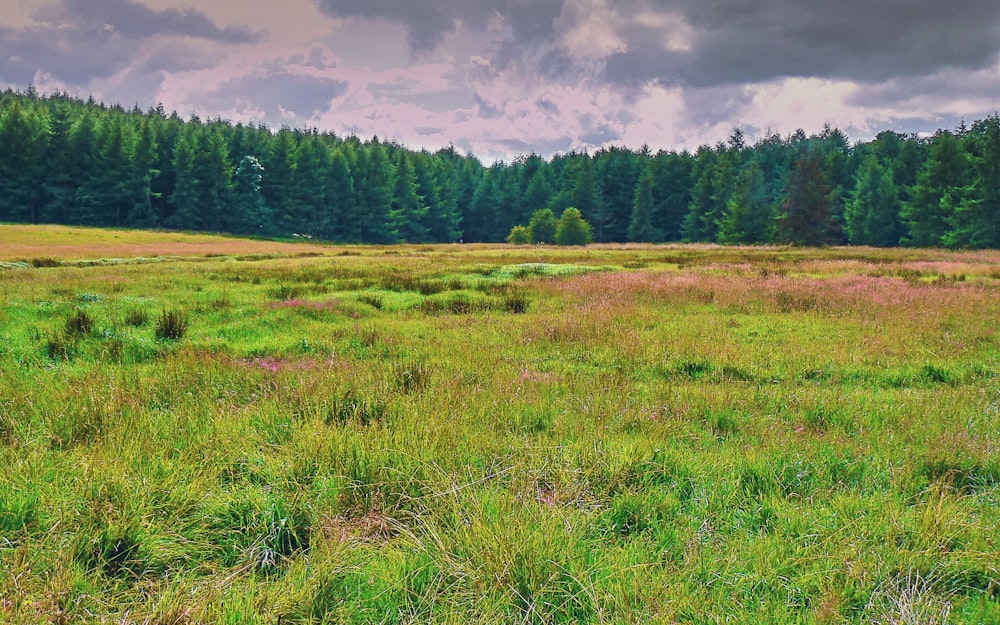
(714, 175)
(618, 171)
(340, 206)
(749, 215)
(808, 214)
(480, 221)
(142, 170)
(186, 214)
(871, 217)
(407, 210)
(373, 189)
(23, 140)
(671, 192)
(927, 213)
(640, 227)
(84, 203)
(539, 191)
(279, 184)
(975, 222)
(312, 167)
(251, 211)
(586, 197)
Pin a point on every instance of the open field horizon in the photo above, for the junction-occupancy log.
(200, 429)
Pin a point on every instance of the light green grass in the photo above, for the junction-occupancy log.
(455, 434)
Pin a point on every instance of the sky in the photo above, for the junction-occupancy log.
(503, 78)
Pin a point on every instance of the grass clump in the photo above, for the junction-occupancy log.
(136, 317)
(172, 325)
(702, 434)
(79, 324)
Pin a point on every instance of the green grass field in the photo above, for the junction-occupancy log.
(199, 430)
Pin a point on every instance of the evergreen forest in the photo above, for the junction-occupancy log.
(64, 160)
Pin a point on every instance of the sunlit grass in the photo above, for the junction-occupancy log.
(498, 434)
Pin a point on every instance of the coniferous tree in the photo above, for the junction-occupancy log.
(938, 184)
(214, 176)
(618, 171)
(975, 221)
(407, 210)
(709, 195)
(142, 170)
(59, 184)
(340, 206)
(253, 215)
(23, 140)
(186, 214)
(84, 205)
(671, 192)
(279, 185)
(749, 215)
(373, 190)
(641, 227)
(808, 215)
(480, 221)
(539, 191)
(309, 198)
(871, 216)
(586, 197)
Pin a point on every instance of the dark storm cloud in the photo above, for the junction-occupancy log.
(732, 41)
(428, 21)
(301, 95)
(80, 40)
(737, 41)
(949, 86)
(137, 21)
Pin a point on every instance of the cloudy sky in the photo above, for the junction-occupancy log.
(506, 77)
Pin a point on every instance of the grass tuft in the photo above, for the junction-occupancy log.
(171, 326)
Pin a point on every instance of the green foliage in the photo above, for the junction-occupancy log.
(871, 217)
(931, 202)
(975, 217)
(749, 216)
(573, 229)
(519, 235)
(68, 161)
(641, 227)
(808, 215)
(543, 226)
(558, 442)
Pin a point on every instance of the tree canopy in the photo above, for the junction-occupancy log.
(66, 160)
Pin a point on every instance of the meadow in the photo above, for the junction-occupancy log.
(201, 430)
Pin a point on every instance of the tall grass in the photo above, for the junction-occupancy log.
(691, 434)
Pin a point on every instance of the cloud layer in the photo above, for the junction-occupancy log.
(502, 77)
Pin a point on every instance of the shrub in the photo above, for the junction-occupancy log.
(573, 229)
(543, 226)
(171, 326)
(284, 292)
(519, 235)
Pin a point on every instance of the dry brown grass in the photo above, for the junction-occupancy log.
(25, 242)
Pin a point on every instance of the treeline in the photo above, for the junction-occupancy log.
(68, 161)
